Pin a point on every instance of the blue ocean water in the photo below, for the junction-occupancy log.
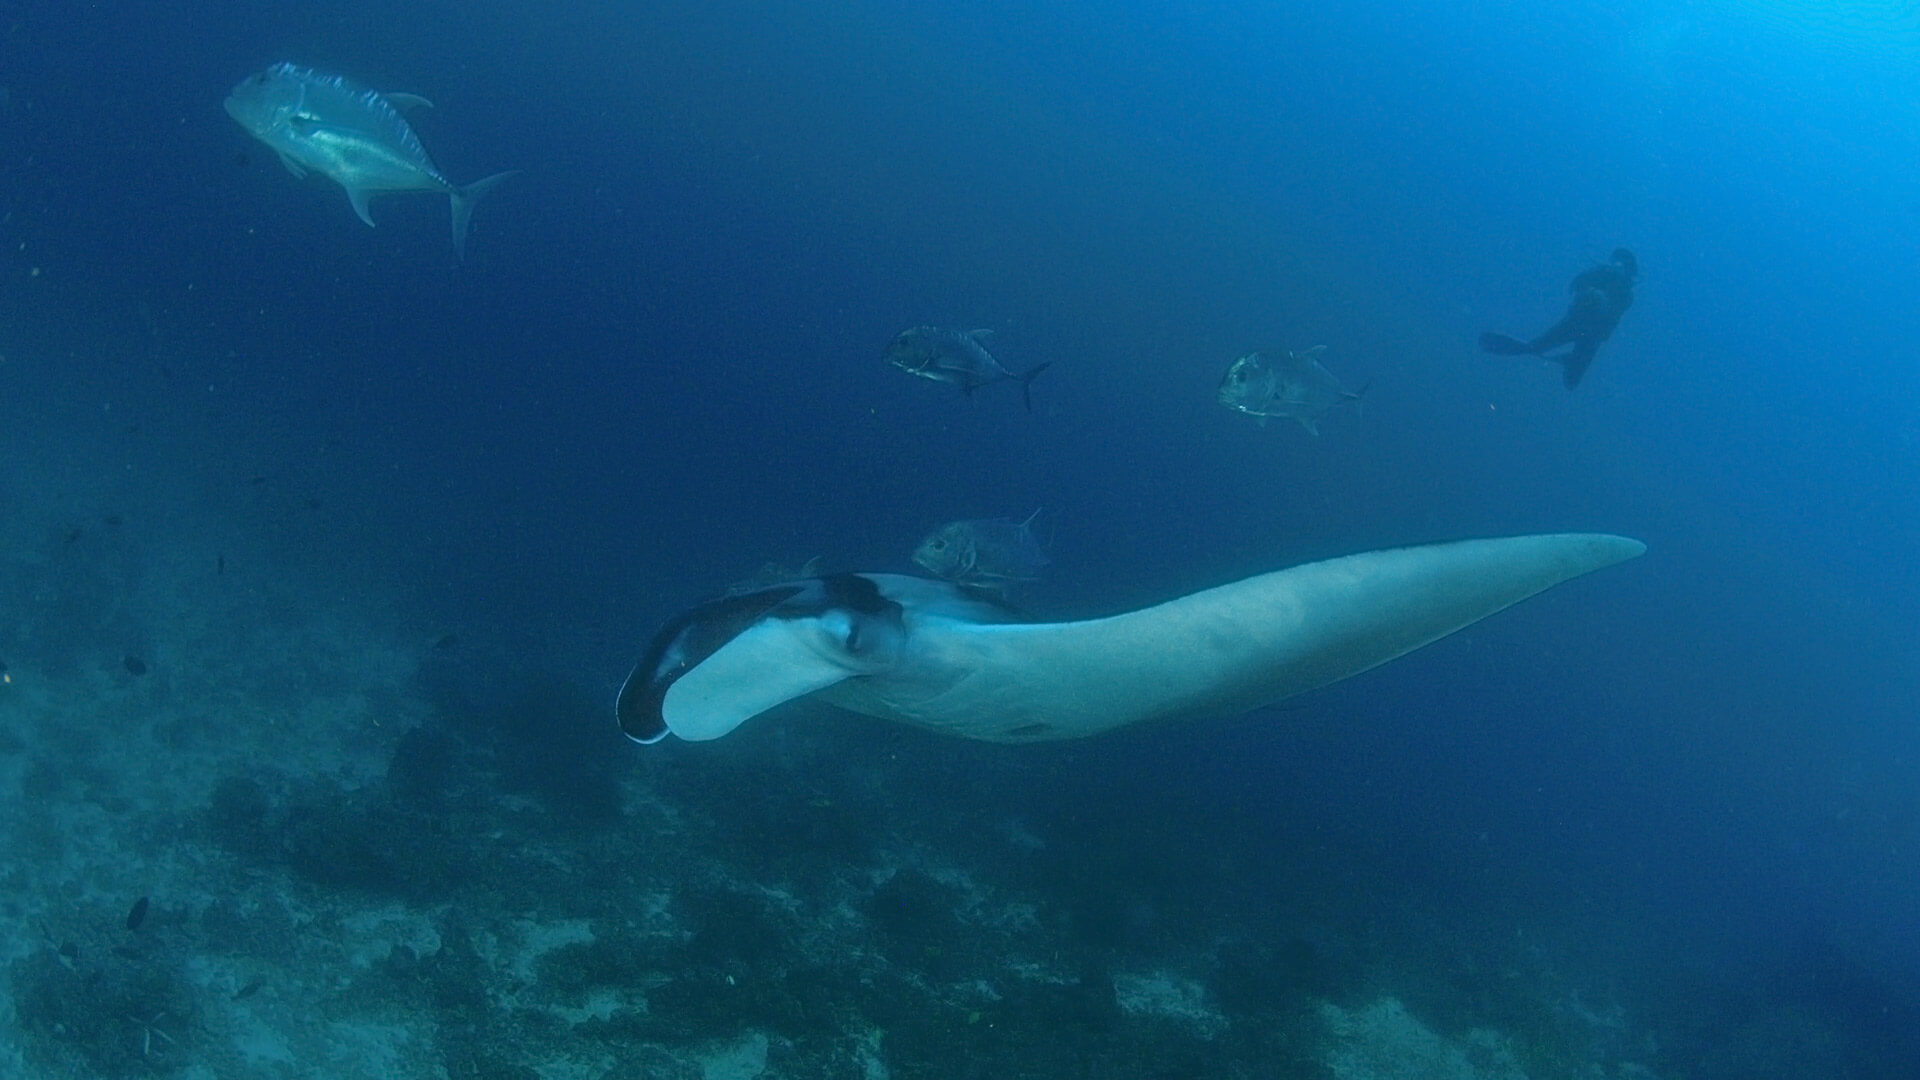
(384, 532)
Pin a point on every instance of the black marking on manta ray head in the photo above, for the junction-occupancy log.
(853, 592)
(694, 635)
(882, 623)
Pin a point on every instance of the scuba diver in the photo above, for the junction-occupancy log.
(1600, 296)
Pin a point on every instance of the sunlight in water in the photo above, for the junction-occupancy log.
(1864, 25)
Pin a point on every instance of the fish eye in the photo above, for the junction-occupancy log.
(938, 545)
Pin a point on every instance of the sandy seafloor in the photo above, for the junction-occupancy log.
(378, 844)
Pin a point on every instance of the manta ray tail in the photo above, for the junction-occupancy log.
(1502, 345)
(463, 200)
(1026, 381)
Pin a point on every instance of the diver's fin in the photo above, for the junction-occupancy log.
(358, 197)
(1026, 381)
(1502, 345)
(463, 200)
(1574, 365)
(403, 102)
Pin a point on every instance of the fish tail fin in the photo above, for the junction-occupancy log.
(1502, 345)
(1026, 381)
(1357, 398)
(463, 200)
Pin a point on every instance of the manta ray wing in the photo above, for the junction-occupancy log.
(1232, 648)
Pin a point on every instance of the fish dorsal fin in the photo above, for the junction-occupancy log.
(1307, 422)
(404, 102)
(1311, 354)
(980, 335)
(358, 197)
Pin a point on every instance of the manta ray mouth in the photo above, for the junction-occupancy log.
(931, 654)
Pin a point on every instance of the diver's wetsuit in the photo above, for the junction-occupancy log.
(1600, 296)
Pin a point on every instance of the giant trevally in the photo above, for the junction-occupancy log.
(961, 360)
(350, 134)
(988, 553)
(1290, 384)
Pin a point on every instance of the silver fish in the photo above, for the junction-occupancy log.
(958, 359)
(1289, 384)
(350, 134)
(989, 553)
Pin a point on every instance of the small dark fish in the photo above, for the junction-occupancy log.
(446, 641)
(113, 521)
(135, 666)
(219, 564)
(138, 915)
(775, 573)
(251, 988)
(957, 359)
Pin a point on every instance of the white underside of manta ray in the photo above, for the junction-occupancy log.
(929, 653)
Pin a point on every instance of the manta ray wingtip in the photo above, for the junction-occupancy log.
(1610, 548)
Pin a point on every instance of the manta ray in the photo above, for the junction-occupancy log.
(939, 656)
